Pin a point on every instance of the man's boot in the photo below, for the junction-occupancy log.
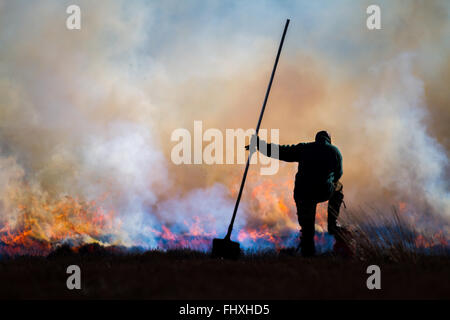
(344, 244)
(307, 246)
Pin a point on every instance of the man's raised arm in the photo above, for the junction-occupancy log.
(289, 153)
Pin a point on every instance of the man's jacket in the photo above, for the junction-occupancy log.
(319, 167)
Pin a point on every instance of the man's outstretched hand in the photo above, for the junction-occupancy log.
(254, 141)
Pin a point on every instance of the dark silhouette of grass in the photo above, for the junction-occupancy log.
(390, 236)
(112, 273)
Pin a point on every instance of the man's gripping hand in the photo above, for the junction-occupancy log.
(254, 142)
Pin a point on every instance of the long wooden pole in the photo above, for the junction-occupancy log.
(236, 206)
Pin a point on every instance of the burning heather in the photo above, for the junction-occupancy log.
(42, 224)
(86, 118)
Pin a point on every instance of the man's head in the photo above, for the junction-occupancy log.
(323, 136)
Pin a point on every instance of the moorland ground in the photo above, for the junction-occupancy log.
(186, 274)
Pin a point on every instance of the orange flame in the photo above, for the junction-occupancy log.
(47, 222)
(42, 222)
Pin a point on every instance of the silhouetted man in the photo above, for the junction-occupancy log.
(317, 180)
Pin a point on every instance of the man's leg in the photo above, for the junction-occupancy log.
(343, 245)
(334, 205)
(306, 212)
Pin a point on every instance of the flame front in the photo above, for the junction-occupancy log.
(41, 223)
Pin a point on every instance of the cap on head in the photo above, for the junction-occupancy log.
(323, 136)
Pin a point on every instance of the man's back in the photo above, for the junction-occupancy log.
(320, 165)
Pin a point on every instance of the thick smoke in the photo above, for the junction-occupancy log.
(405, 160)
(88, 114)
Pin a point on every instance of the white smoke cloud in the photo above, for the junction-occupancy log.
(404, 158)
